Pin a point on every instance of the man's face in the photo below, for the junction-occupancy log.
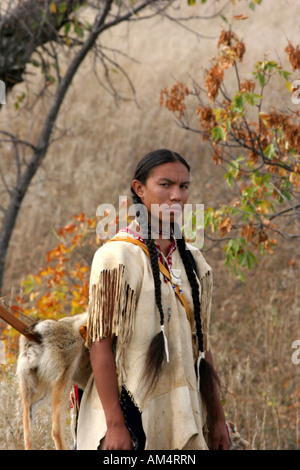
(165, 192)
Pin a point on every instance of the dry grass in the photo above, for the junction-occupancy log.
(11, 427)
(254, 326)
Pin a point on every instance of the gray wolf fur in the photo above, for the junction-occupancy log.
(49, 370)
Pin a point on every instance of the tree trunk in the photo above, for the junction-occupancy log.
(26, 27)
(8, 225)
(24, 180)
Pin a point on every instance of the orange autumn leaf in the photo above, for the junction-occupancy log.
(213, 80)
(69, 228)
(225, 226)
(92, 222)
(293, 55)
(240, 17)
(61, 286)
(53, 8)
(249, 232)
(45, 272)
(80, 218)
(174, 99)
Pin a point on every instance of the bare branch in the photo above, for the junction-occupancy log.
(111, 89)
(285, 211)
(17, 140)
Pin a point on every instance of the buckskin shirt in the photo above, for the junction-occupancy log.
(122, 299)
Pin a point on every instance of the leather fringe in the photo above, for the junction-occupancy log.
(112, 308)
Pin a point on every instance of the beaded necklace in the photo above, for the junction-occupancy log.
(175, 278)
(158, 230)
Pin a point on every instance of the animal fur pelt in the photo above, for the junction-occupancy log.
(50, 368)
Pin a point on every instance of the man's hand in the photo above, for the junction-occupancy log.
(118, 438)
(104, 369)
(219, 437)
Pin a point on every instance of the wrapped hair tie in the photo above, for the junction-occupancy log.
(201, 356)
(166, 342)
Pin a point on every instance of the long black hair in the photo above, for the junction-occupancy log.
(155, 355)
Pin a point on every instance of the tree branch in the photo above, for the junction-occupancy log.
(22, 30)
(40, 150)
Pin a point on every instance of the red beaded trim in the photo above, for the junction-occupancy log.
(171, 248)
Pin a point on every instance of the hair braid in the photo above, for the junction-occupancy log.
(156, 274)
(155, 354)
(207, 372)
(189, 269)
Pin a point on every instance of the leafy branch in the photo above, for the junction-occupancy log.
(257, 148)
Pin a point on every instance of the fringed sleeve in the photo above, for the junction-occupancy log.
(110, 307)
(112, 299)
(115, 280)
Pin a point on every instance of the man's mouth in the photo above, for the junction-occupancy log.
(175, 209)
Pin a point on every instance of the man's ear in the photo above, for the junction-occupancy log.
(138, 188)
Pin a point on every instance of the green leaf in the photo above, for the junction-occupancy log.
(251, 259)
(67, 28)
(35, 63)
(29, 284)
(50, 79)
(218, 133)
(88, 26)
(241, 276)
(261, 79)
(229, 178)
(233, 247)
(284, 73)
(270, 151)
(217, 112)
(209, 219)
(287, 194)
(78, 30)
(228, 124)
(63, 7)
(271, 65)
(237, 104)
(252, 98)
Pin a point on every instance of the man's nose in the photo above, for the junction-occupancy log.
(175, 194)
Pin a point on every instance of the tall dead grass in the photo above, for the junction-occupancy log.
(253, 328)
(11, 417)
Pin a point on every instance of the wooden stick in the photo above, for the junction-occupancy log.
(16, 323)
